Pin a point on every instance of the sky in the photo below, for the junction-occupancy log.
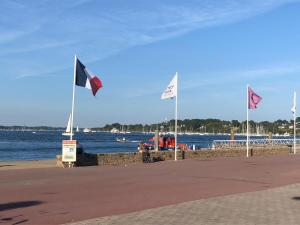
(135, 47)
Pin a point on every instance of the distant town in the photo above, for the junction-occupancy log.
(211, 126)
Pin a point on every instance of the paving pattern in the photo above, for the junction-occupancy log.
(278, 206)
(195, 190)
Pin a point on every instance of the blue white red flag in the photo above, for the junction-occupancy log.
(85, 78)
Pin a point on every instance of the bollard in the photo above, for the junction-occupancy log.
(156, 140)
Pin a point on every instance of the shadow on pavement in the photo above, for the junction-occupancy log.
(6, 165)
(16, 205)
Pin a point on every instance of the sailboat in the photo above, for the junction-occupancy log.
(77, 129)
(68, 130)
(122, 130)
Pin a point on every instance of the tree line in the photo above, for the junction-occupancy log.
(207, 126)
(184, 126)
(31, 128)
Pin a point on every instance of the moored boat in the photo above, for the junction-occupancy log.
(68, 129)
(121, 139)
(87, 130)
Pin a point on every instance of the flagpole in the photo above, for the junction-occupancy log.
(176, 116)
(247, 144)
(73, 98)
(295, 96)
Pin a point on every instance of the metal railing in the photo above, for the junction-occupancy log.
(257, 142)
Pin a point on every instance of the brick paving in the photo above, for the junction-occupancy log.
(277, 206)
(57, 196)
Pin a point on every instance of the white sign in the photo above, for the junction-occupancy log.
(69, 151)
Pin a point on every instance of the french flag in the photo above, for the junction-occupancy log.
(85, 78)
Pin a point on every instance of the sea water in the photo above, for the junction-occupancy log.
(28, 145)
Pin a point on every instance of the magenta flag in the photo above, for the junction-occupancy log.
(253, 100)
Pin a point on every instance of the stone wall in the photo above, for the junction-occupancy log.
(136, 157)
(240, 152)
(119, 158)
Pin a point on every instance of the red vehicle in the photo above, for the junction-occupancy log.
(165, 143)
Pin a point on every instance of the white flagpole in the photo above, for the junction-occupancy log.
(295, 122)
(247, 121)
(176, 116)
(73, 98)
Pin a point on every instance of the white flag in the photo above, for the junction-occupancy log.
(171, 90)
(294, 106)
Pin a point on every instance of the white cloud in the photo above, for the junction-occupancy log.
(66, 27)
(122, 26)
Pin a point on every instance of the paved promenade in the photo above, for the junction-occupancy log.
(57, 196)
(278, 206)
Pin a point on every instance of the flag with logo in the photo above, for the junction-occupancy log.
(253, 100)
(85, 78)
(171, 90)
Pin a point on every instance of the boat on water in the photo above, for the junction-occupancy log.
(121, 139)
(286, 134)
(68, 129)
(87, 130)
(122, 131)
(114, 131)
(77, 129)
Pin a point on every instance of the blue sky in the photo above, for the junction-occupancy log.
(135, 47)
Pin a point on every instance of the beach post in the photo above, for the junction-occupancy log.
(171, 92)
(176, 115)
(294, 109)
(71, 150)
(73, 98)
(156, 140)
(247, 143)
(232, 133)
(252, 101)
(69, 147)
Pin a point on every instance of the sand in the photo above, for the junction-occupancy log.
(32, 164)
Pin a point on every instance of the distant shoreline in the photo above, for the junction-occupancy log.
(211, 126)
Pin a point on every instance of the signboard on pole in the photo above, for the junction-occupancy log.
(69, 151)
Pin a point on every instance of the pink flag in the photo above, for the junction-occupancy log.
(253, 100)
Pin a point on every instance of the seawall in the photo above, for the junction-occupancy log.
(116, 159)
